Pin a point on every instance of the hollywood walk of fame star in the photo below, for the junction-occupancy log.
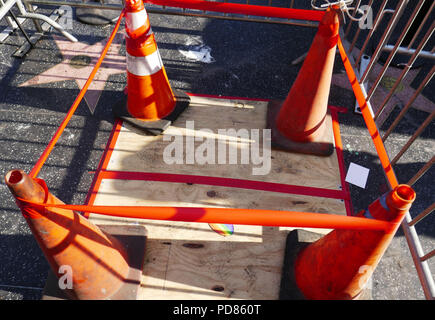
(401, 96)
(79, 60)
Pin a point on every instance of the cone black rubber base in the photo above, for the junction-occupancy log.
(95, 16)
(152, 127)
(132, 238)
(297, 240)
(323, 147)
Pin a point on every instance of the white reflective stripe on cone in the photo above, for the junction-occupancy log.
(135, 20)
(144, 66)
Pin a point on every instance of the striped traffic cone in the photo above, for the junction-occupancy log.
(98, 265)
(301, 123)
(150, 102)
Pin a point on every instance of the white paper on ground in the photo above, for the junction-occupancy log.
(195, 50)
(357, 175)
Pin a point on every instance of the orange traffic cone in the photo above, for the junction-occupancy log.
(149, 95)
(338, 265)
(301, 124)
(97, 262)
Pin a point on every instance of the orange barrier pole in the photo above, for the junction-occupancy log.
(339, 265)
(97, 260)
(232, 216)
(302, 116)
(370, 123)
(242, 8)
(37, 167)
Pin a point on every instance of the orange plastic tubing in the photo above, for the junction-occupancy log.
(35, 170)
(370, 123)
(230, 216)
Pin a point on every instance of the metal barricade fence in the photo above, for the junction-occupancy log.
(412, 24)
(416, 34)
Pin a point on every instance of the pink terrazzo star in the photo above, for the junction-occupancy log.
(79, 60)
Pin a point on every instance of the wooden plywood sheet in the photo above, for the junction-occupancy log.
(135, 152)
(189, 260)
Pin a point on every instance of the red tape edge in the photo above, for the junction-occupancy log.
(226, 182)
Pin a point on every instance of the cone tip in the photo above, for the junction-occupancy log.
(401, 198)
(331, 20)
(23, 186)
(14, 177)
(133, 5)
(405, 193)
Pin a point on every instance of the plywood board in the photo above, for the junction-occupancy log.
(188, 260)
(135, 152)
